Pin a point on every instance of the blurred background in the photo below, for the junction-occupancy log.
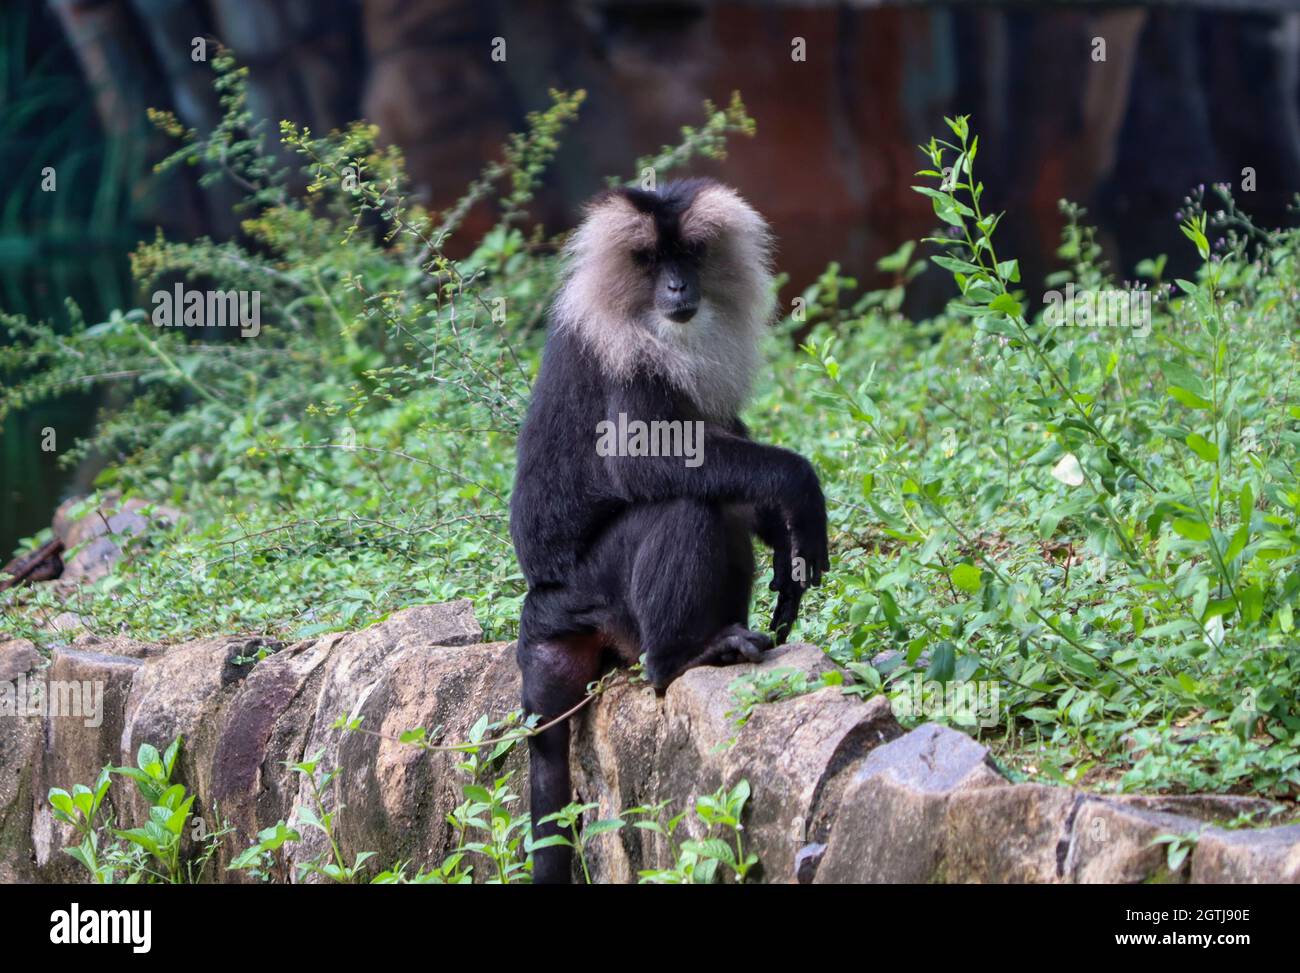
(1120, 108)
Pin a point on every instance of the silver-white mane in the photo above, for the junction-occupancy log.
(607, 301)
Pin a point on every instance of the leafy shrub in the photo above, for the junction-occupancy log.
(1104, 523)
(491, 834)
(1101, 523)
(155, 851)
(355, 457)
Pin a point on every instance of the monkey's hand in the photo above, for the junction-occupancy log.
(789, 591)
(809, 554)
(787, 609)
(799, 558)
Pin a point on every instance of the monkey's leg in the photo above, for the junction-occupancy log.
(689, 590)
(555, 677)
(733, 644)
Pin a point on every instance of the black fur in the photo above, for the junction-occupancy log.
(632, 555)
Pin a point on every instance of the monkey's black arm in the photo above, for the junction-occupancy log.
(772, 530)
(736, 470)
(769, 525)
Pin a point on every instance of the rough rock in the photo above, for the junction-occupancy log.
(1010, 834)
(183, 693)
(240, 719)
(117, 645)
(1263, 856)
(615, 757)
(354, 665)
(397, 797)
(91, 541)
(76, 749)
(891, 822)
(806, 862)
(66, 622)
(838, 792)
(263, 729)
(1214, 808)
(20, 742)
(1112, 843)
(17, 658)
(635, 750)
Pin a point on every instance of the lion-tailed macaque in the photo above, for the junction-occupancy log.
(638, 489)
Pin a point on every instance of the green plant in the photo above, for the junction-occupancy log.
(316, 816)
(81, 810)
(570, 818)
(1177, 848)
(773, 685)
(1100, 520)
(485, 822)
(154, 851)
(696, 860)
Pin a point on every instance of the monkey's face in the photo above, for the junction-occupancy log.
(672, 272)
(676, 280)
(669, 262)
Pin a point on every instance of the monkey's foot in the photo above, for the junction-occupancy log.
(731, 645)
(735, 642)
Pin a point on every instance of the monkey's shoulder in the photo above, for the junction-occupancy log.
(574, 386)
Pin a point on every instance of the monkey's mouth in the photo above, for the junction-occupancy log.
(682, 313)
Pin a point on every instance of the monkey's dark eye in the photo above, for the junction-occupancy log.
(643, 258)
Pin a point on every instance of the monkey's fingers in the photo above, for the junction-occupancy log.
(814, 563)
(782, 564)
(785, 612)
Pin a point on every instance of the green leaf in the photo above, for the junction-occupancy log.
(1252, 603)
(1007, 305)
(149, 760)
(943, 662)
(1202, 447)
(1188, 398)
(61, 800)
(1040, 714)
(956, 266)
(1239, 540)
(714, 848)
(1193, 530)
(967, 577)
(1246, 504)
(600, 827)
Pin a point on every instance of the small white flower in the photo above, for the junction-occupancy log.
(1068, 470)
(1214, 630)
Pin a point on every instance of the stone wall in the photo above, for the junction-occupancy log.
(841, 793)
